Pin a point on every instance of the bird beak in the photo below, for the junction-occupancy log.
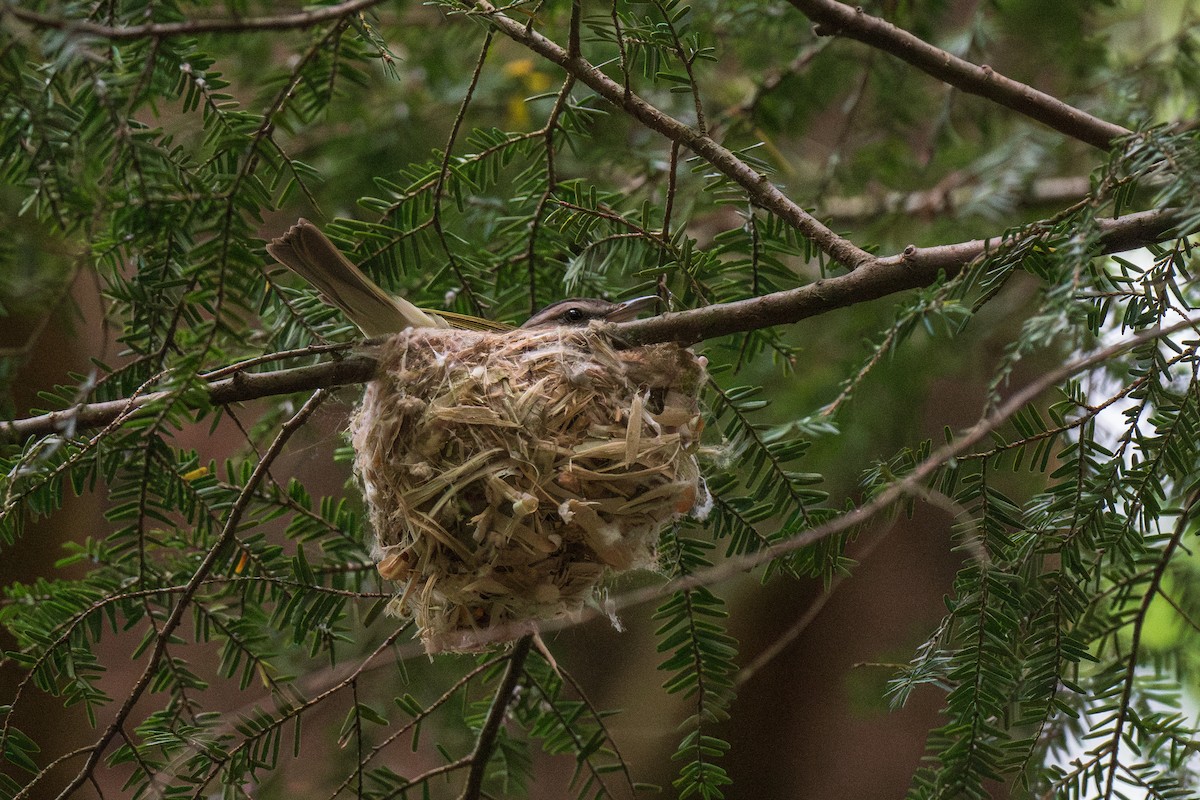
(631, 308)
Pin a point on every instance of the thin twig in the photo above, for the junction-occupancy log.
(548, 130)
(769, 83)
(444, 173)
(620, 37)
(266, 358)
(1156, 579)
(784, 640)
(325, 684)
(598, 717)
(686, 61)
(160, 30)
(948, 197)
(426, 711)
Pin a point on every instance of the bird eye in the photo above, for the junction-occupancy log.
(573, 314)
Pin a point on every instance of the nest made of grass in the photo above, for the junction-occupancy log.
(507, 473)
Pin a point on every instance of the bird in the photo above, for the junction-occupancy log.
(305, 250)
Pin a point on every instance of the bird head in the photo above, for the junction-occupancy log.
(579, 311)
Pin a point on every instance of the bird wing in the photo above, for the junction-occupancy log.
(309, 253)
(470, 323)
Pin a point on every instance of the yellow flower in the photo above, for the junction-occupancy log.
(531, 82)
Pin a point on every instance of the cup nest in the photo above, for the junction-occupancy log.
(507, 474)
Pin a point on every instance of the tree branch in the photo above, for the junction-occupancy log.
(758, 187)
(160, 30)
(486, 743)
(914, 268)
(236, 388)
(838, 19)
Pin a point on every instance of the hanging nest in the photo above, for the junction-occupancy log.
(506, 474)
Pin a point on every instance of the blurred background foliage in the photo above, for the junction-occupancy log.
(142, 175)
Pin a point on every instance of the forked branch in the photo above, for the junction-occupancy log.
(759, 188)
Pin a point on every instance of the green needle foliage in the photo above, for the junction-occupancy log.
(216, 628)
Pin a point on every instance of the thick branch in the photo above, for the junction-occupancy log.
(913, 268)
(758, 187)
(159, 30)
(838, 19)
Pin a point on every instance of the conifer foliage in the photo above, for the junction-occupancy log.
(1018, 181)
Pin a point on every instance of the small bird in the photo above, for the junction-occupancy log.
(309, 253)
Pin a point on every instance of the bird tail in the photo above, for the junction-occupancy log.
(309, 253)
